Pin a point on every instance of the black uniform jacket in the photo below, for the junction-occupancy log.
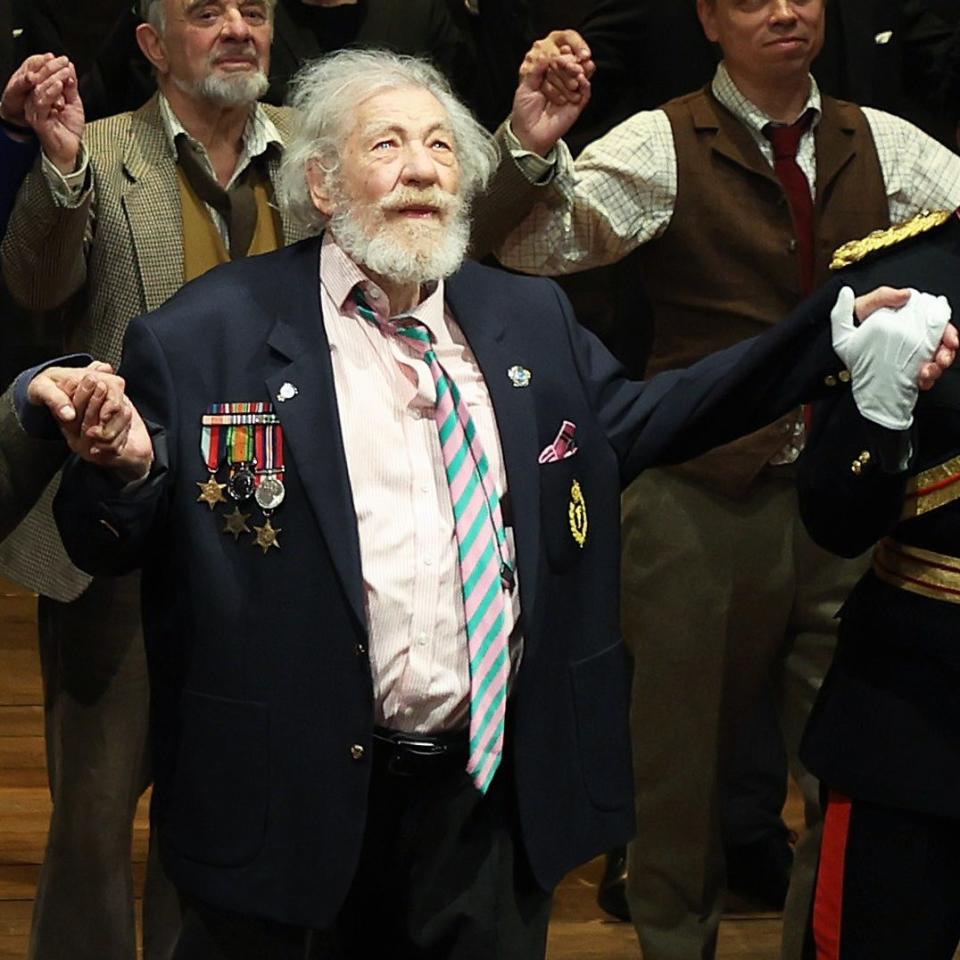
(886, 725)
(261, 684)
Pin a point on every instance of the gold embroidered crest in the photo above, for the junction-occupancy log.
(577, 512)
(857, 250)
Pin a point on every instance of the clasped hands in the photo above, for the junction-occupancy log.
(43, 96)
(553, 91)
(907, 344)
(95, 417)
(908, 348)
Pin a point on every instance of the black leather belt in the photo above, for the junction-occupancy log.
(420, 754)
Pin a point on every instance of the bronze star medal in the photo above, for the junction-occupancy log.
(266, 536)
(211, 492)
(236, 523)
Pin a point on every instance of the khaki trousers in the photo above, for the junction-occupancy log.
(717, 593)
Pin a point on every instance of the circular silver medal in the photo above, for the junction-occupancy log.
(241, 484)
(270, 493)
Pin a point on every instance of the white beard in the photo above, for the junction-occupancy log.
(411, 251)
(231, 90)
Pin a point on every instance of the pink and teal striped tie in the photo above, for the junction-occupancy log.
(485, 570)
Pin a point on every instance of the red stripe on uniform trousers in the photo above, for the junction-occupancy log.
(828, 902)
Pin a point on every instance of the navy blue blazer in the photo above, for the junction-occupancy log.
(260, 678)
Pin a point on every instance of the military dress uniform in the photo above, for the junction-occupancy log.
(884, 735)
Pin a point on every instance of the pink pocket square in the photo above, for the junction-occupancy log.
(561, 448)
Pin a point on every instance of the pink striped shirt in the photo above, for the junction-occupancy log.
(414, 603)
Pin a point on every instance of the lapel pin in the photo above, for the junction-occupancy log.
(519, 376)
(286, 392)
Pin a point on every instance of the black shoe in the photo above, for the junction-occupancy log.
(759, 873)
(612, 892)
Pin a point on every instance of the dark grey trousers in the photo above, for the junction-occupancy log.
(96, 706)
(441, 877)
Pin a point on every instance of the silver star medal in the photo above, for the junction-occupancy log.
(519, 376)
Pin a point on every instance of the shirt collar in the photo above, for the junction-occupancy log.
(339, 275)
(258, 135)
(727, 92)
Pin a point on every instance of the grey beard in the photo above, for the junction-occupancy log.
(384, 255)
(229, 91)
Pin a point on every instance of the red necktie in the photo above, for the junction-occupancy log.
(785, 141)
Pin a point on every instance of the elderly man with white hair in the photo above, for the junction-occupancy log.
(374, 492)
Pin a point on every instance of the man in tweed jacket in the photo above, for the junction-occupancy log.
(111, 221)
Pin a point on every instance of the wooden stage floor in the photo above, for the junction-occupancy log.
(579, 931)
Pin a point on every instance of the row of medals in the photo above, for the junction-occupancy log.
(241, 487)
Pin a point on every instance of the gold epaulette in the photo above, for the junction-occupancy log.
(857, 250)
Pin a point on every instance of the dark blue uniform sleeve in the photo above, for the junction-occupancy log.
(848, 499)
(679, 414)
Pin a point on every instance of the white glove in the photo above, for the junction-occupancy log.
(886, 353)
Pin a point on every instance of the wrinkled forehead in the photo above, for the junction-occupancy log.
(408, 111)
(193, 7)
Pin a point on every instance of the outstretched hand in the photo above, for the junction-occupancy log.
(553, 91)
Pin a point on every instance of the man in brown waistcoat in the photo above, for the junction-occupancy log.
(116, 216)
(738, 193)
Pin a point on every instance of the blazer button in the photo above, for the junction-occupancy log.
(360, 650)
(844, 376)
(357, 751)
(830, 380)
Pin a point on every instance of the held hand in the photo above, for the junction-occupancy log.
(888, 352)
(108, 430)
(888, 297)
(97, 420)
(943, 359)
(55, 111)
(553, 91)
(54, 388)
(32, 71)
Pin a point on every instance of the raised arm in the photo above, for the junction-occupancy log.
(545, 214)
(44, 261)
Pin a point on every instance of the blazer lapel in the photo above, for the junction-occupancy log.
(151, 202)
(482, 319)
(311, 419)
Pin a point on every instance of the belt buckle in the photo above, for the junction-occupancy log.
(408, 754)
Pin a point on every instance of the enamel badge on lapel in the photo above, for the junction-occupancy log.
(577, 512)
(519, 376)
(250, 438)
(287, 391)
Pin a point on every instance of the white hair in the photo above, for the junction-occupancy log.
(152, 12)
(326, 94)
